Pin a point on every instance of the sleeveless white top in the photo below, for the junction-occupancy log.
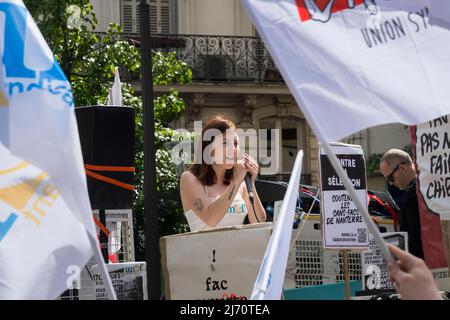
(235, 215)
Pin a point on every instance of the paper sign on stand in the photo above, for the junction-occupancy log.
(128, 278)
(342, 224)
(373, 264)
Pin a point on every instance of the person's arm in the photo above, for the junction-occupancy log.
(259, 208)
(193, 197)
(412, 278)
(260, 214)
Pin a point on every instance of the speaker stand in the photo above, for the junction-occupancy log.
(103, 236)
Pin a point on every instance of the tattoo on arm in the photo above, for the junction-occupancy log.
(232, 191)
(198, 205)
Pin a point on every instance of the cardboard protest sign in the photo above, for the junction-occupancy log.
(373, 263)
(342, 223)
(220, 263)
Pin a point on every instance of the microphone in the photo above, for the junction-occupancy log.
(248, 183)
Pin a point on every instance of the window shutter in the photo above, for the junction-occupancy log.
(137, 15)
(165, 17)
(154, 4)
(127, 16)
(160, 20)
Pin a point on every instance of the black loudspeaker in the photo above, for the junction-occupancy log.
(107, 143)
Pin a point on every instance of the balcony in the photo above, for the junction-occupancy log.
(220, 58)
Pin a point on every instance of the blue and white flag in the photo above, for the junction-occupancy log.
(269, 283)
(46, 225)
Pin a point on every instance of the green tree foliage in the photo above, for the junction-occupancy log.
(373, 162)
(166, 70)
(88, 59)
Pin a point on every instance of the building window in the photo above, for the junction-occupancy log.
(290, 145)
(162, 16)
(268, 123)
(292, 139)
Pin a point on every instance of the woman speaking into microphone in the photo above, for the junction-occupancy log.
(213, 191)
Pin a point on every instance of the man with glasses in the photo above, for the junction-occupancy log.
(398, 169)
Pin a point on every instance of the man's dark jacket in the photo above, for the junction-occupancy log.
(409, 219)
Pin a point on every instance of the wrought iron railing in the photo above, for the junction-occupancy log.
(220, 58)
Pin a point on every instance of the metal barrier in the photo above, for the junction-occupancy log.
(120, 248)
(310, 264)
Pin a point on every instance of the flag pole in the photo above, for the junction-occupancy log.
(101, 265)
(346, 275)
(103, 238)
(151, 227)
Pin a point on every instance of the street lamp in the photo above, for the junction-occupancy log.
(152, 254)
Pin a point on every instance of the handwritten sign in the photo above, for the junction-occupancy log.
(433, 161)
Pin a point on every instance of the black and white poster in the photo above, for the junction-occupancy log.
(129, 280)
(342, 224)
(373, 264)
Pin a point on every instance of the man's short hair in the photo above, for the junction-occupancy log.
(395, 156)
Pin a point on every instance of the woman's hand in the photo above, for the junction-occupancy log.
(240, 170)
(252, 166)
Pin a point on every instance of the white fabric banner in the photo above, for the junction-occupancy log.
(355, 64)
(44, 204)
(440, 13)
(269, 283)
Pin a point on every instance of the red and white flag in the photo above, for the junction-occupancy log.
(354, 64)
